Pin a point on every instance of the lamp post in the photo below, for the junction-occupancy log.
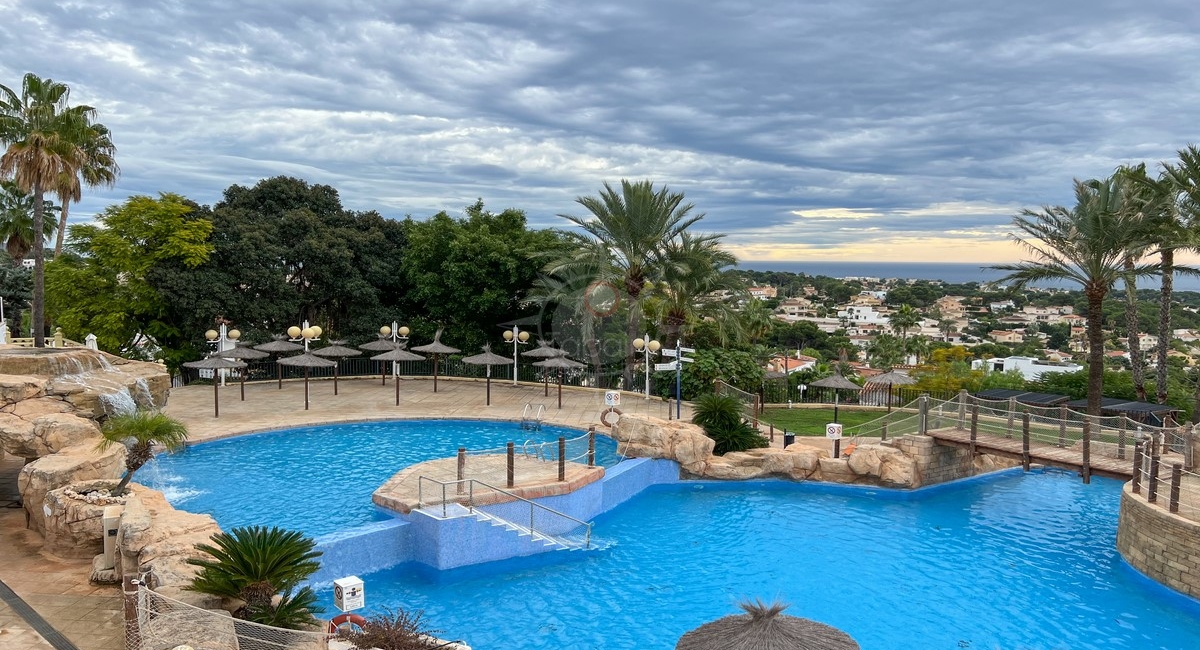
(647, 346)
(222, 339)
(398, 333)
(518, 338)
(305, 332)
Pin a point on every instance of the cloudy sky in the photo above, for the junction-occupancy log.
(805, 129)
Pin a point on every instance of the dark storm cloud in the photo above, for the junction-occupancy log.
(814, 125)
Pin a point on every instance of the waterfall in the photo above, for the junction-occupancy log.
(141, 393)
(118, 403)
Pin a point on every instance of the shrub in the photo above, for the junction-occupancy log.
(721, 418)
(393, 630)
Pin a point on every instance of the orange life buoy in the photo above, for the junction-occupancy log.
(849, 449)
(605, 413)
(338, 621)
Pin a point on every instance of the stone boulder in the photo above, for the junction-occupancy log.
(884, 462)
(837, 470)
(57, 431)
(16, 388)
(725, 470)
(648, 437)
(32, 409)
(154, 535)
(16, 436)
(73, 518)
(74, 464)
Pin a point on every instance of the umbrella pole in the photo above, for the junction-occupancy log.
(335, 369)
(397, 382)
(243, 373)
(546, 383)
(489, 387)
(383, 372)
(216, 398)
(305, 388)
(279, 370)
(435, 365)
(560, 374)
(889, 397)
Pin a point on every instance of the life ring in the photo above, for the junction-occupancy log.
(849, 449)
(605, 413)
(338, 621)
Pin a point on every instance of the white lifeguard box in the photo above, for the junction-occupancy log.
(348, 594)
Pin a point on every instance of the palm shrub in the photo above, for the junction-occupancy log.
(721, 418)
(263, 567)
(141, 432)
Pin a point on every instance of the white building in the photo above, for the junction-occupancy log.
(1029, 367)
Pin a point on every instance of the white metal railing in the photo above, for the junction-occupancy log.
(497, 503)
(531, 416)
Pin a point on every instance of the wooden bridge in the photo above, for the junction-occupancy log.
(1043, 453)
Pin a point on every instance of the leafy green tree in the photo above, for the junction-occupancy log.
(756, 320)
(43, 137)
(255, 564)
(631, 228)
(141, 432)
(948, 370)
(1086, 245)
(102, 287)
(886, 351)
(16, 288)
(739, 368)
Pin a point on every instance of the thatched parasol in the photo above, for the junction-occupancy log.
(561, 363)
(837, 382)
(242, 352)
(306, 361)
(335, 350)
(890, 378)
(384, 344)
(489, 359)
(544, 350)
(763, 627)
(214, 364)
(436, 348)
(278, 346)
(396, 355)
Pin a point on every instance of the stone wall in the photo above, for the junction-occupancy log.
(1160, 544)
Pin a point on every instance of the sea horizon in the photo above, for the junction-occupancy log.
(948, 272)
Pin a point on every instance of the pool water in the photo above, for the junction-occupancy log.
(1013, 562)
(319, 479)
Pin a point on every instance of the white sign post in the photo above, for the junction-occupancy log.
(612, 398)
(833, 431)
(348, 594)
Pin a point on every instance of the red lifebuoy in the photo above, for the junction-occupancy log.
(605, 413)
(338, 621)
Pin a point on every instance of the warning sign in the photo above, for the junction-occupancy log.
(833, 431)
(612, 398)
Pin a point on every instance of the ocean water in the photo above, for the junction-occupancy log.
(953, 273)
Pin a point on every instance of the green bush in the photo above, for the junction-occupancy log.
(721, 418)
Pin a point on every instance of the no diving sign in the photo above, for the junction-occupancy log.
(833, 431)
(612, 398)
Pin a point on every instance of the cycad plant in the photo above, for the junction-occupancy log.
(721, 418)
(141, 432)
(255, 564)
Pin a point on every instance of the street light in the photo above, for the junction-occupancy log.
(398, 333)
(305, 332)
(649, 347)
(222, 339)
(518, 338)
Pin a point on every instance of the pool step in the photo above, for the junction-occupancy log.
(557, 542)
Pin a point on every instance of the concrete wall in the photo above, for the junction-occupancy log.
(935, 463)
(1164, 546)
(362, 550)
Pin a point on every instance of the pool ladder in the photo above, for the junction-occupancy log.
(531, 417)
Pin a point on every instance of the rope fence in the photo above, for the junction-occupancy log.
(1160, 477)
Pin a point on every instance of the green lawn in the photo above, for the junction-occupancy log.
(811, 422)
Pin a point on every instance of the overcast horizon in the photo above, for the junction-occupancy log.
(849, 130)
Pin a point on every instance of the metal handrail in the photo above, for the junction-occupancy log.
(469, 483)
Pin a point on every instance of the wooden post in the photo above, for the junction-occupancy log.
(1189, 448)
(963, 396)
(1176, 477)
(974, 427)
(754, 419)
(1152, 496)
(462, 468)
(591, 446)
(1062, 426)
(1025, 441)
(562, 458)
(772, 426)
(1137, 467)
(1012, 409)
(669, 418)
(133, 631)
(1121, 434)
(512, 470)
(1087, 449)
(883, 430)
(837, 447)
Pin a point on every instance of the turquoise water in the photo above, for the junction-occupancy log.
(1015, 562)
(319, 479)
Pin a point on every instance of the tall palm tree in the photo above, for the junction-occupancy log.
(886, 351)
(633, 227)
(695, 271)
(16, 221)
(904, 319)
(99, 167)
(1137, 199)
(42, 136)
(1086, 245)
(141, 432)
(1177, 193)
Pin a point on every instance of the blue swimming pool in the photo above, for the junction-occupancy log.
(1011, 562)
(319, 479)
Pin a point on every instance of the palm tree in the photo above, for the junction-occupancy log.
(947, 327)
(99, 167)
(1137, 198)
(1087, 245)
(695, 270)
(904, 319)
(141, 432)
(42, 135)
(886, 351)
(1177, 193)
(16, 221)
(254, 565)
(917, 346)
(631, 229)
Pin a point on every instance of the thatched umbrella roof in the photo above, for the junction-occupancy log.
(336, 349)
(242, 352)
(306, 361)
(835, 380)
(279, 345)
(544, 350)
(489, 359)
(382, 345)
(560, 363)
(763, 627)
(892, 378)
(214, 364)
(436, 348)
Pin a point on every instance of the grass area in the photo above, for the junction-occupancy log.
(811, 422)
